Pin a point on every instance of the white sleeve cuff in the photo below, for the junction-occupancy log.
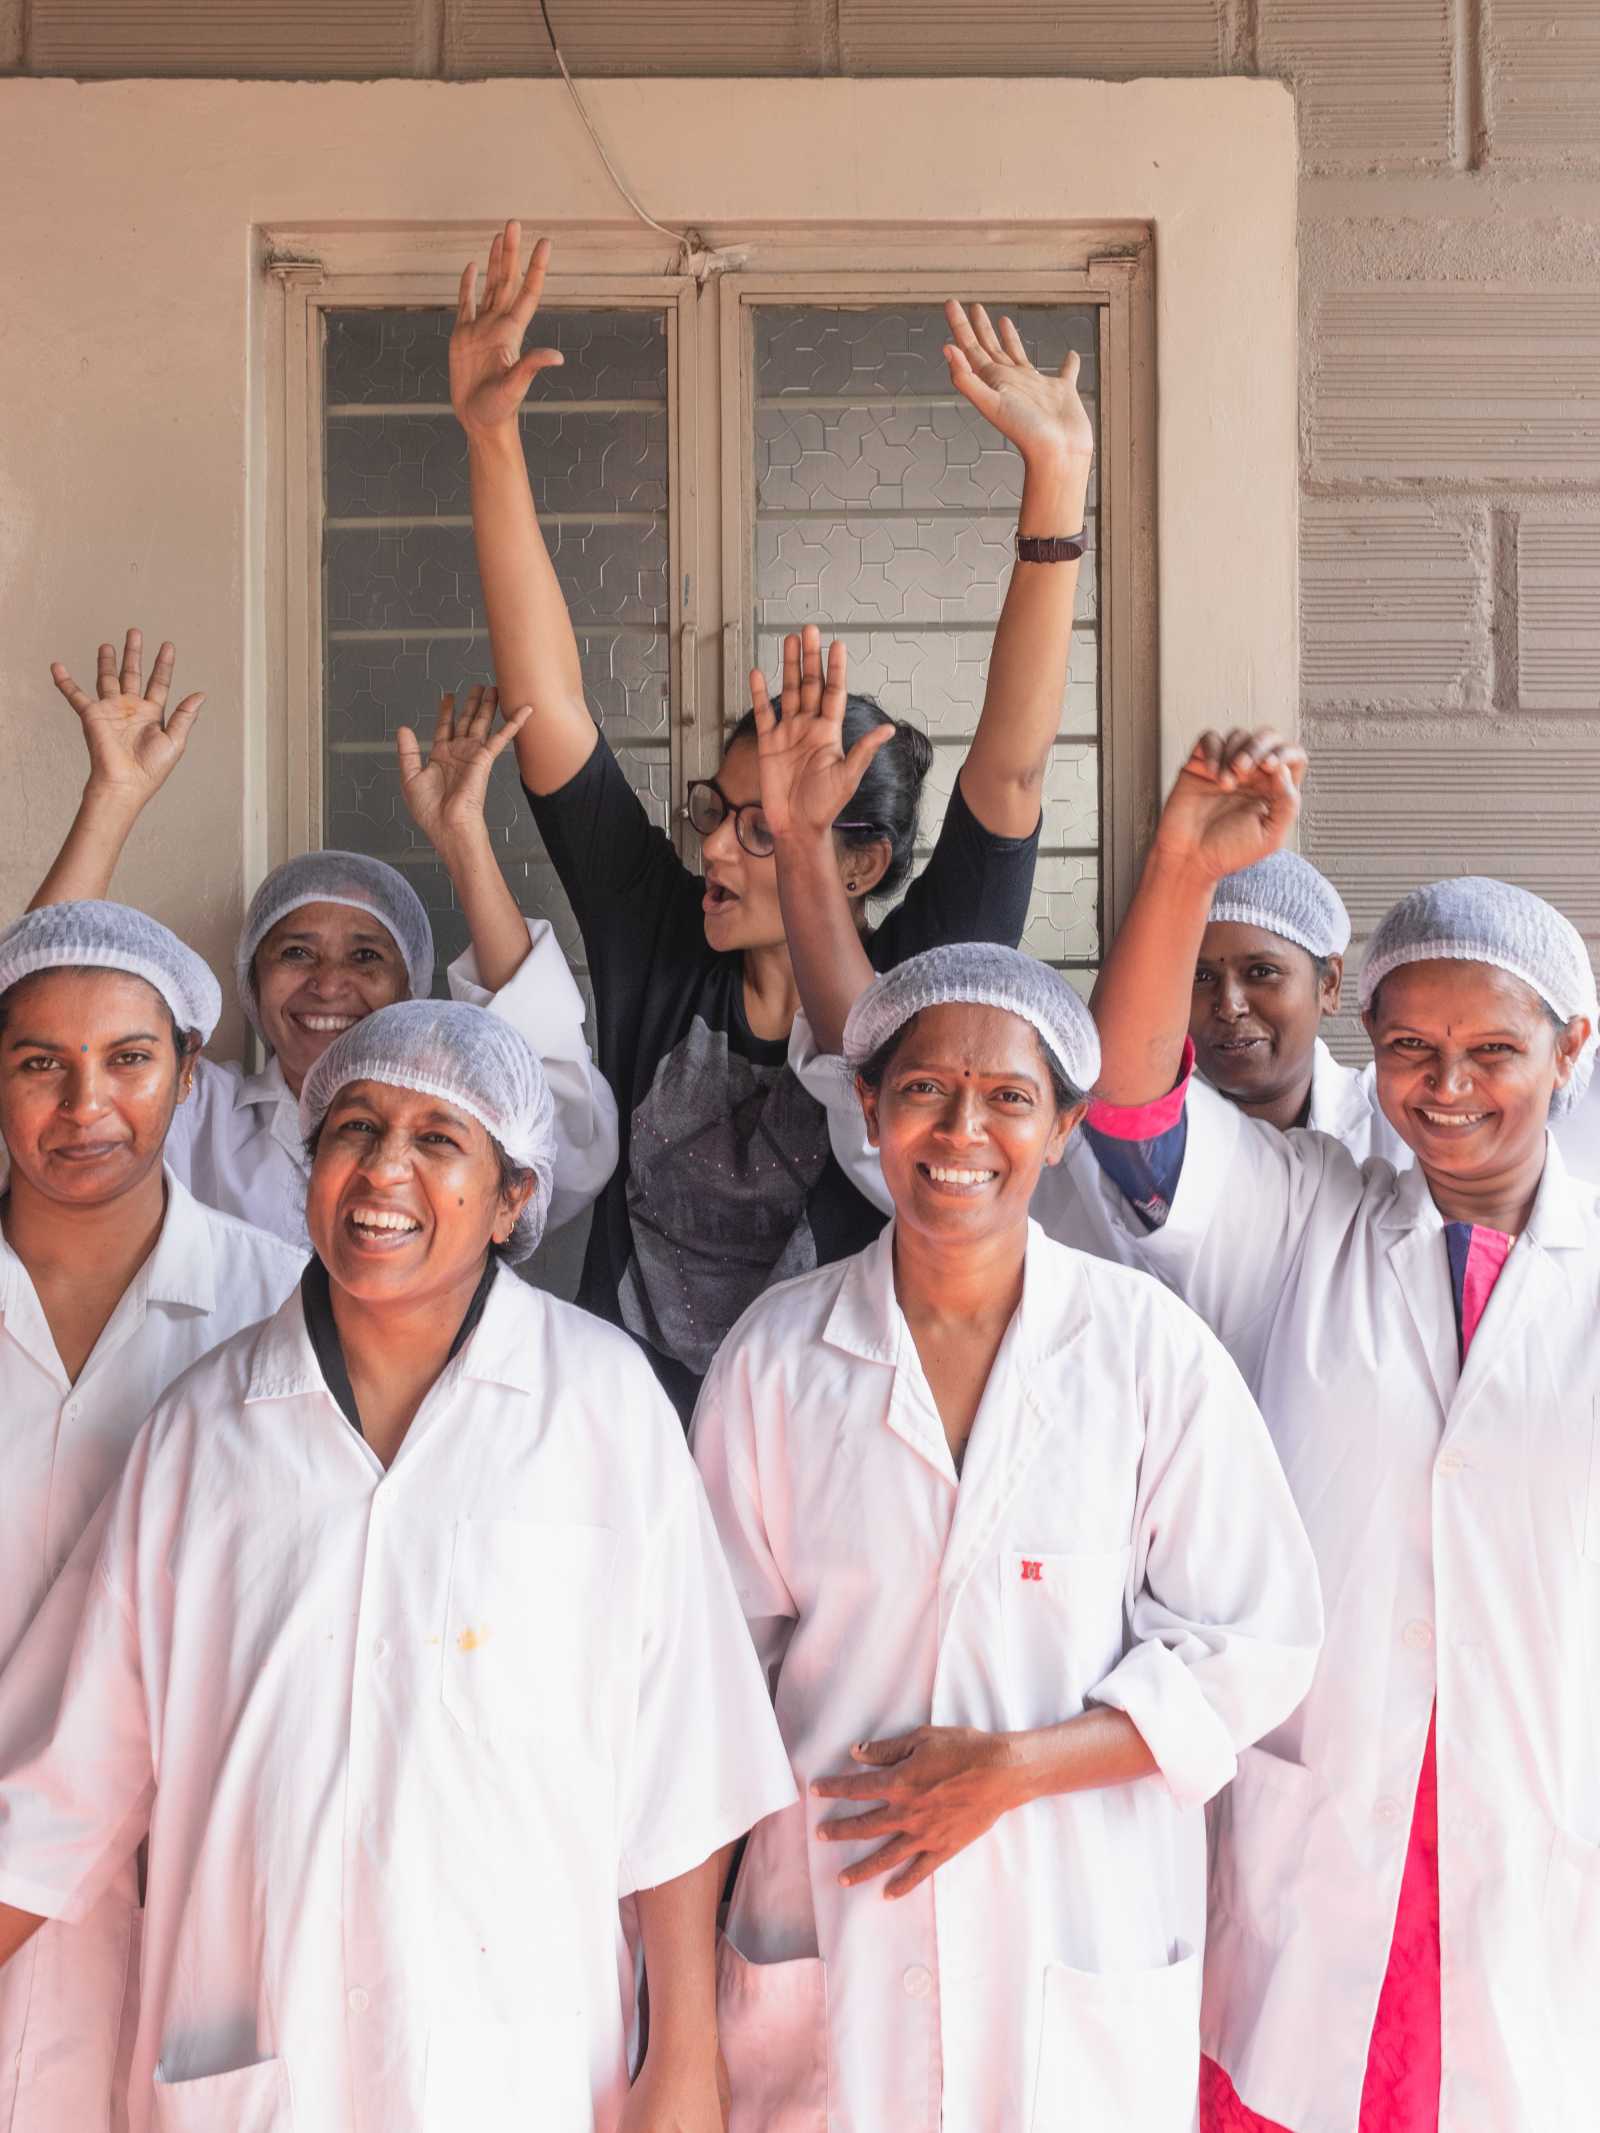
(1193, 1749)
(825, 1076)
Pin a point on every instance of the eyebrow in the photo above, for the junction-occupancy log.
(49, 1044)
(376, 937)
(914, 1065)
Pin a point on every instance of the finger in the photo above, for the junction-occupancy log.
(841, 1829)
(533, 362)
(970, 386)
(467, 297)
(183, 719)
(988, 339)
(881, 1754)
(879, 1862)
(1207, 750)
(105, 672)
(859, 1785)
(810, 667)
(529, 295)
(444, 724)
(836, 691)
(510, 261)
(1071, 364)
(410, 755)
(856, 761)
(761, 705)
(491, 275)
(514, 723)
(1011, 341)
(961, 331)
(133, 664)
(909, 1877)
(480, 712)
(790, 699)
(75, 696)
(161, 676)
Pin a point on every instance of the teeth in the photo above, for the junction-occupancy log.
(321, 1023)
(1452, 1118)
(961, 1177)
(371, 1218)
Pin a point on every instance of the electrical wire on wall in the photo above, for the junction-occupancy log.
(695, 257)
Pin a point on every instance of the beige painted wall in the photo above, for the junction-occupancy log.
(133, 354)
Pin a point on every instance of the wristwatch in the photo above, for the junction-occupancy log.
(1051, 547)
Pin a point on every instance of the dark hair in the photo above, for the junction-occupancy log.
(512, 1175)
(873, 1069)
(180, 1037)
(890, 793)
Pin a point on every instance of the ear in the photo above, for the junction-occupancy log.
(863, 866)
(187, 1061)
(1066, 1125)
(869, 1110)
(508, 1211)
(1332, 983)
(1569, 1048)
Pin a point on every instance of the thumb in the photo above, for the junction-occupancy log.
(537, 359)
(855, 763)
(178, 726)
(410, 755)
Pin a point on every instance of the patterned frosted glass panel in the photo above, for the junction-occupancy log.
(885, 508)
(403, 611)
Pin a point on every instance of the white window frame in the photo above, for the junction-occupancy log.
(710, 471)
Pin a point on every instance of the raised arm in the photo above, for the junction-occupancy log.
(1043, 417)
(1236, 800)
(446, 798)
(134, 746)
(530, 632)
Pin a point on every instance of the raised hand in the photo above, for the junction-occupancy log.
(489, 374)
(807, 779)
(133, 744)
(1236, 800)
(1041, 414)
(446, 794)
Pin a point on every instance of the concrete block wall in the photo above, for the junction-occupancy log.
(1450, 289)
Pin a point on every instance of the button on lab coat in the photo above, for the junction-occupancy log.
(1120, 1535)
(62, 1446)
(236, 1142)
(401, 1739)
(1455, 1515)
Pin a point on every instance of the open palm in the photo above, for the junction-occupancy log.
(446, 794)
(133, 744)
(807, 778)
(1236, 801)
(489, 374)
(1040, 412)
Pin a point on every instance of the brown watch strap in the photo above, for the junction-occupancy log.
(1051, 547)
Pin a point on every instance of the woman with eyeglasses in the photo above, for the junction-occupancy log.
(726, 1182)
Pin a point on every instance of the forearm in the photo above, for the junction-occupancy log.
(82, 869)
(831, 968)
(16, 1928)
(678, 1925)
(1004, 771)
(498, 930)
(531, 637)
(1083, 1754)
(1142, 996)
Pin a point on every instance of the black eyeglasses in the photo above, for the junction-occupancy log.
(708, 807)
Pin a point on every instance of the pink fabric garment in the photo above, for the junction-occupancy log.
(1146, 1122)
(1404, 2060)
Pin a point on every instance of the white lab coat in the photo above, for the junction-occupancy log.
(401, 1739)
(1120, 1535)
(62, 1996)
(236, 1142)
(1456, 1520)
(1578, 1134)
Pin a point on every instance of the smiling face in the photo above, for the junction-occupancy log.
(1467, 1062)
(405, 1195)
(964, 1120)
(90, 1074)
(1257, 1004)
(319, 970)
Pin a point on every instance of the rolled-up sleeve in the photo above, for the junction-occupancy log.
(825, 1077)
(542, 1000)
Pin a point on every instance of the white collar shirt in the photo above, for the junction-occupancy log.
(401, 1738)
(1455, 1514)
(63, 1444)
(1121, 1535)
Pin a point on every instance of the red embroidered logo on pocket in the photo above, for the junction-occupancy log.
(1032, 1573)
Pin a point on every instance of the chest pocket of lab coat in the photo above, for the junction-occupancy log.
(527, 1633)
(1063, 1624)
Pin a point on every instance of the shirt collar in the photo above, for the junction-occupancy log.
(1339, 1099)
(866, 1319)
(178, 1271)
(1556, 1223)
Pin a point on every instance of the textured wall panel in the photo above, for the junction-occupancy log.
(1374, 81)
(1558, 608)
(637, 36)
(937, 677)
(1103, 37)
(1390, 605)
(1461, 384)
(340, 38)
(1543, 79)
(1382, 816)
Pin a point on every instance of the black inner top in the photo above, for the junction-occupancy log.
(316, 1299)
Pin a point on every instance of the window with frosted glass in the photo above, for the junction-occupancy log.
(884, 510)
(402, 608)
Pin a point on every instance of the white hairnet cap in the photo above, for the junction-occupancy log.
(106, 936)
(983, 974)
(337, 878)
(1471, 919)
(467, 1057)
(1284, 894)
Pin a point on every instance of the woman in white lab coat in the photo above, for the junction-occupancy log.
(1023, 1570)
(330, 936)
(409, 1642)
(112, 1281)
(1405, 1925)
